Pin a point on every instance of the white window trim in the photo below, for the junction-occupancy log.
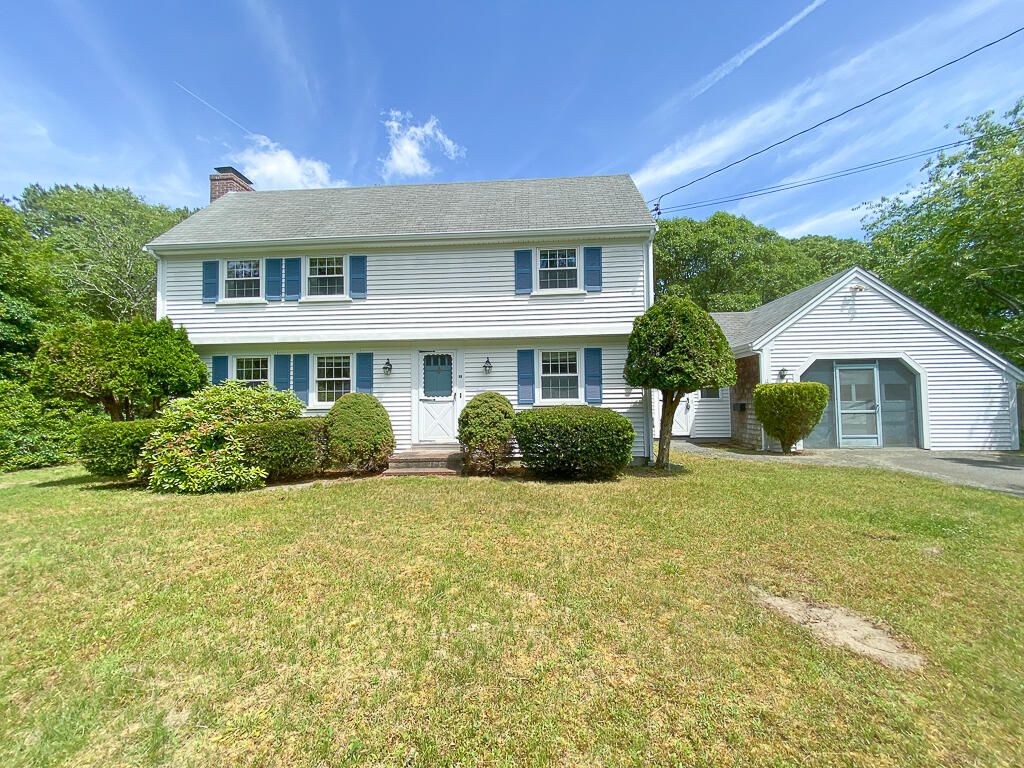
(223, 276)
(305, 297)
(577, 291)
(233, 366)
(314, 389)
(538, 394)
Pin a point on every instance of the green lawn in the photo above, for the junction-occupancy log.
(426, 621)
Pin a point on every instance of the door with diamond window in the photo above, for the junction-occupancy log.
(438, 392)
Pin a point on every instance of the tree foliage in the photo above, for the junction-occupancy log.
(727, 263)
(34, 433)
(98, 234)
(128, 368)
(956, 242)
(676, 347)
(833, 254)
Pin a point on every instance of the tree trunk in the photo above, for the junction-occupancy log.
(669, 402)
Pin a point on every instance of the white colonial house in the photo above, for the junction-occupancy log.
(424, 295)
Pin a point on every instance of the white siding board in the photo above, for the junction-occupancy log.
(970, 401)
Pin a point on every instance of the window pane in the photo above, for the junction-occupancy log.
(708, 394)
(327, 276)
(559, 376)
(242, 279)
(557, 268)
(437, 375)
(857, 388)
(859, 424)
(333, 377)
(252, 369)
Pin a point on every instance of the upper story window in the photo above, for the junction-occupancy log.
(333, 377)
(242, 279)
(252, 370)
(557, 268)
(559, 375)
(709, 394)
(326, 276)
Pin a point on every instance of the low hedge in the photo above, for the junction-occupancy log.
(789, 410)
(289, 449)
(574, 441)
(485, 432)
(359, 434)
(112, 448)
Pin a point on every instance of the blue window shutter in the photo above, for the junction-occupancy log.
(292, 279)
(592, 268)
(592, 374)
(524, 273)
(273, 289)
(211, 281)
(357, 278)
(525, 377)
(282, 372)
(300, 377)
(364, 372)
(220, 369)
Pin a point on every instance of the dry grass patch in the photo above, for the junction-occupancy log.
(429, 621)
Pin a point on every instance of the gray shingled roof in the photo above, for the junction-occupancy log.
(743, 328)
(578, 202)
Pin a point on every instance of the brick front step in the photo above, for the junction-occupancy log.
(394, 471)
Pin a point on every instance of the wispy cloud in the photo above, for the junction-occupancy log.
(271, 166)
(727, 67)
(408, 145)
(272, 29)
(841, 220)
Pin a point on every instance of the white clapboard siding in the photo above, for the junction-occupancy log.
(710, 418)
(396, 391)
(970, 402)
(453, 292)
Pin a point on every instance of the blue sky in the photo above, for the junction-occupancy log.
(318, 94)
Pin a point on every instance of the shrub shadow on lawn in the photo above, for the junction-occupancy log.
(91, 483)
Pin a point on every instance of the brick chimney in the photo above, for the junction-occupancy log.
(227, 179)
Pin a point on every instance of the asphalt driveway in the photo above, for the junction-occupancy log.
(995, 470)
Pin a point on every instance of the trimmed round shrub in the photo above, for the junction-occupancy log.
(789, 410)
(485, 432)
(574, 441)
(196, 447)
(359, 433)
(286, 450)
(112, 448)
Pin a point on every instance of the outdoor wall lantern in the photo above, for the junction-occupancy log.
(488, 365)
(387, 367)
(783, 373)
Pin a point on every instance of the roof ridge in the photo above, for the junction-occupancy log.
(443, 183)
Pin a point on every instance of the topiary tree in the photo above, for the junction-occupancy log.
(789, 410)
(359, 433)
(485, 431)
(130, 369)
(676, 347)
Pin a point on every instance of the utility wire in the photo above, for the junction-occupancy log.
(814, 179)
(657, 200)
(797, 183)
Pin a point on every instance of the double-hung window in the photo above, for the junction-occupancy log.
(252, 370)
(557, 268)
(242, 279)
(326, 276)
(559, 375)
(333, 377)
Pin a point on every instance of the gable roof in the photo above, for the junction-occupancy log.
(751, 331)
(578, 202)
(744, 328)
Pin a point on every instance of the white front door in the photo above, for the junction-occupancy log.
(437, 394)
(682, 422)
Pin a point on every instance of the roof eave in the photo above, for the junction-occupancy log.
(412, 238)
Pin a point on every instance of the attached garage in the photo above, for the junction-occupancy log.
(899, 375)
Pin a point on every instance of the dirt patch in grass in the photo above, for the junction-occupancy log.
(834, 625)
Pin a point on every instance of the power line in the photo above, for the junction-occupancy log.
(816, 179)
(657, 200)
